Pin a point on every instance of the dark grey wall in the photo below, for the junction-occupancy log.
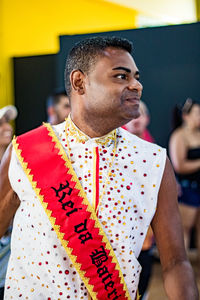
(169, 62)
(34, 80)
(168, 59)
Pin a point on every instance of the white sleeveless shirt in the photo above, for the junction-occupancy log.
(39, 267)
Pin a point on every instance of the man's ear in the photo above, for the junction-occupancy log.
(77, 79)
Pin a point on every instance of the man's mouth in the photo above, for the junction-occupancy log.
(135, 100)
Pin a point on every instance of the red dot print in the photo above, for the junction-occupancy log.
(142, 193)
(154, 154)
(128, 187)
(19, 180)
(66, 272)
(144, 161)
(144, 174)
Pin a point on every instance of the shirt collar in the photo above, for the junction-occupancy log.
(81, 137)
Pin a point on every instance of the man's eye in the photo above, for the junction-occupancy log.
(121, 76)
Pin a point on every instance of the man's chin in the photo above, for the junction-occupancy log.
(130, 115)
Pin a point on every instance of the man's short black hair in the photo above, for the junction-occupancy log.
(85, 53)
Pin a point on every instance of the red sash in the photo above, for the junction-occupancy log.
(74, 220)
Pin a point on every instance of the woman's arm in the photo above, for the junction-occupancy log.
(178, 153)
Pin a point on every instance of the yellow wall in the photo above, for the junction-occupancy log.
(198, 9)
(32, 27)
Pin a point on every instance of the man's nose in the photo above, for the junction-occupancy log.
(135, 85)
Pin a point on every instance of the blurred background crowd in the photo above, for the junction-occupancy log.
(34, 40)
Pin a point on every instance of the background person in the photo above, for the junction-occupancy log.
(58, 107)
(184, 147)
(139, 126)
(7, 114)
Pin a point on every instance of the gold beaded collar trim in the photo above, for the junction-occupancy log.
(81, 137)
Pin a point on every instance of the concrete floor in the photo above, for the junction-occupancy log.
(156, 290)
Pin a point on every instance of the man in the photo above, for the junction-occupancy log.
(88, 191)
(7, 113)
(58, 107)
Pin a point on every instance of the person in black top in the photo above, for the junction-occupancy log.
(184, 147)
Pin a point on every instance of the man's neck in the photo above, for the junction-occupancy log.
(93, 128)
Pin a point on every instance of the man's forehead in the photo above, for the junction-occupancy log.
(116, 57)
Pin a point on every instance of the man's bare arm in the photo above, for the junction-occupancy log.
(9, 202)
(179, 281)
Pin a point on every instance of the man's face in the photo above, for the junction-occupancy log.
(62, 109)
(6, 132)
(112, 88)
